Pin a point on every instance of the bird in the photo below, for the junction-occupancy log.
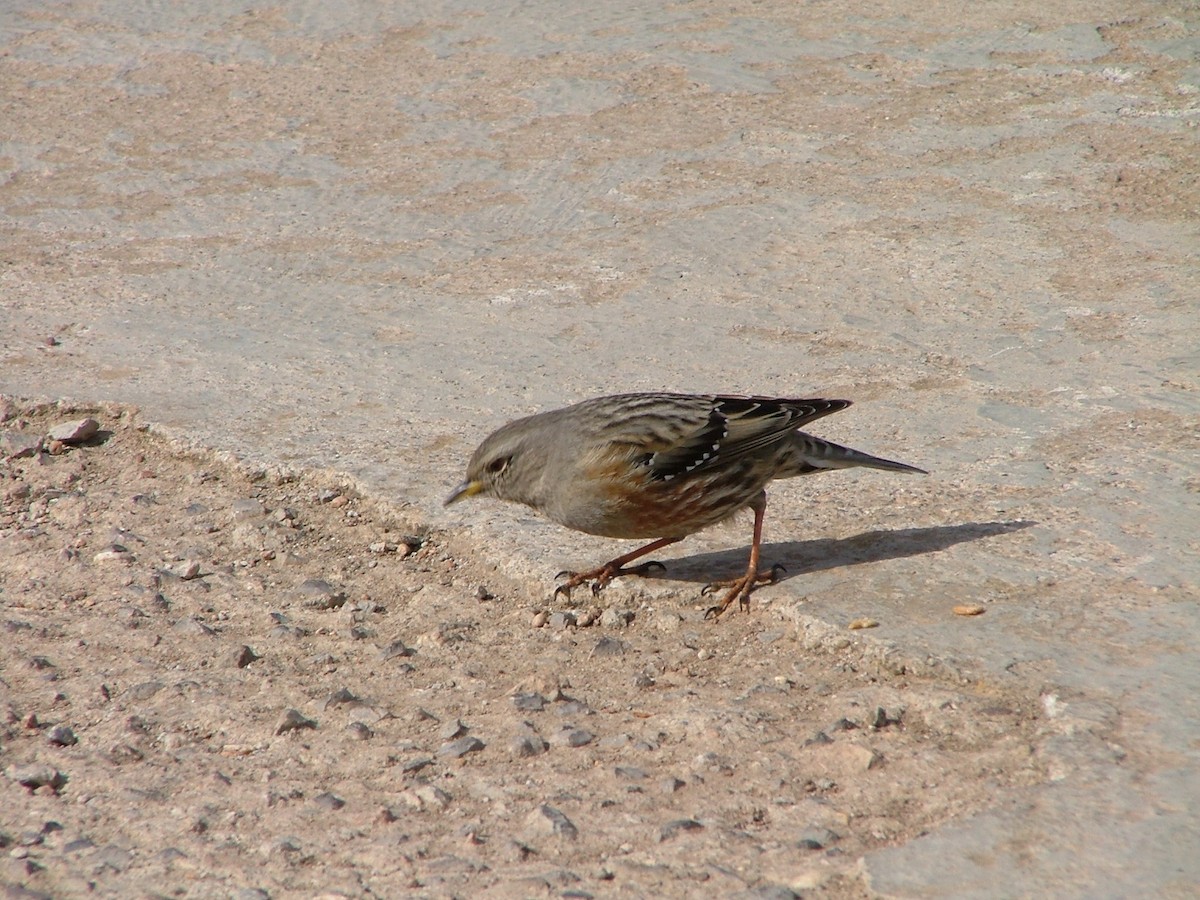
(659, 466)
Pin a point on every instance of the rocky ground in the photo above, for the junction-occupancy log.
(230, 682)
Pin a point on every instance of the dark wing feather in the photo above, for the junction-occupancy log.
(737, 426)
(695, 450)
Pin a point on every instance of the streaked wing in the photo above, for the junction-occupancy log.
(737, 426)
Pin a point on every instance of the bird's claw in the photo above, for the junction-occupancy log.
(597, 582)
(599, 579)
(740, 590)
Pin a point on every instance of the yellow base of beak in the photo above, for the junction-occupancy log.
(464, 490)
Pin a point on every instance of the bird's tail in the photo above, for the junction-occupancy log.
(807, 453)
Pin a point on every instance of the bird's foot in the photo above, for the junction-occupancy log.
(599, 578)
(739, 589)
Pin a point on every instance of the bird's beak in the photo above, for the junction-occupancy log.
(466, 489)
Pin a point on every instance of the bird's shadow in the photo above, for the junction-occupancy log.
(805, 557)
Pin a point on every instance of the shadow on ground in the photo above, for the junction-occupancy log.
(805, 557)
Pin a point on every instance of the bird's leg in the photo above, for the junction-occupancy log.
(740, 588)
(615, 568)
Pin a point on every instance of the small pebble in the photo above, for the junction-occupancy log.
(548, 819)
(816, 839)
(340, 697)
(969, 609)
(452, 729)
(561, 620)
(74, 432)
(316, 593)
(130, 617)
(615, 618)
(569, 707)
(386, 816)
(529, 702)
(359, 731)
(145, 690)
(188, 570)
(242, 657)
(193, 628)
(677, 827)
(18, 445)
(330, 801)
(293, 720)
(395, 649)
(115, 554)
(461, 747)
(282, 847)
(35, 775)
(523, 746)
(609, 646)
(574, 737)
(862, 623)
(62, 736)
(882, 718)
(540, 619)
(425, 796)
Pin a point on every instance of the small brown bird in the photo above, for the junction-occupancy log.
(660, 466)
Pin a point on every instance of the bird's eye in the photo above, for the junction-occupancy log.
(496, 466)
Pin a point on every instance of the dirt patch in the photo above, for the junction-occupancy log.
(232, 680)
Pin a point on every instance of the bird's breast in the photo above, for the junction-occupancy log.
(616, 497)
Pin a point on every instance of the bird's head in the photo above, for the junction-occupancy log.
(507, 466)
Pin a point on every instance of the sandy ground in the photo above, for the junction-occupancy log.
(169, 611)
(342, 244)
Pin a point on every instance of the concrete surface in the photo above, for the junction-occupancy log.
(361, 236)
